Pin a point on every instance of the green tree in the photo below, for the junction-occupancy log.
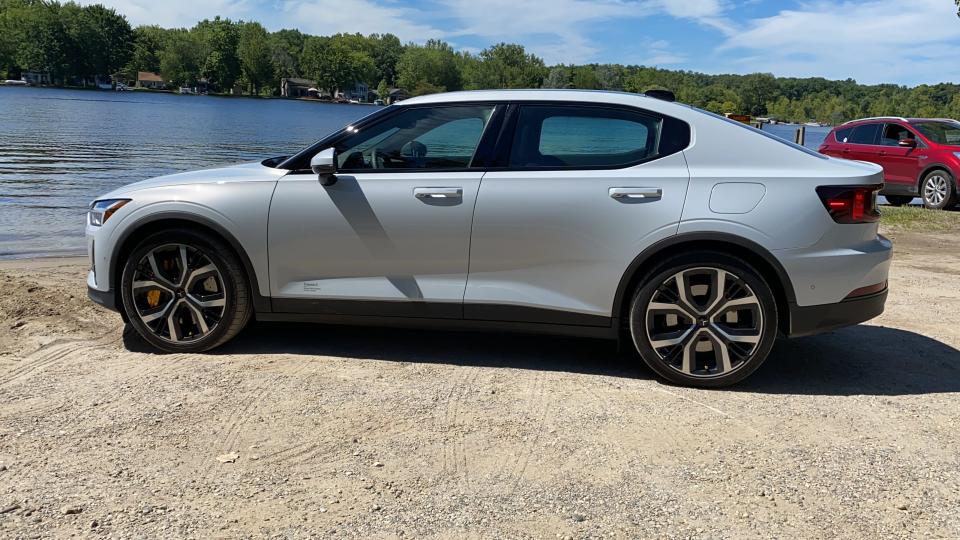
(385, 51)
(100, 40)
(335, 63)
(383, 89)
(433, 67)
(218, 40)
(506, 65)
(148, 45)
(286, 47)
(253, 50)
(181, 58)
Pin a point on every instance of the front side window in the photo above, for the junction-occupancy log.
(893, 134)
(940, 132)
(442, 138)
(864, 134)
(554, 136)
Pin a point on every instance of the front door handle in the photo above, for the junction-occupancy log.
(636, 193)
(438, 192)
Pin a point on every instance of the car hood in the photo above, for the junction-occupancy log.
(244, 172)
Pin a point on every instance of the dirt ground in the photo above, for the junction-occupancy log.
(342, 432)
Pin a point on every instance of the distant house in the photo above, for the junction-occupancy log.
(359, 92)
(147, 79)
(395, 95)
(36, 77)
(295, 88)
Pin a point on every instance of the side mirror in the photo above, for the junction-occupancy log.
(908, 143)
(324, 165)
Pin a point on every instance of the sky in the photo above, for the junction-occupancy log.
(906, 42)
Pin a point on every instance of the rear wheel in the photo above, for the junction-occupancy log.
(898, 200)
(704, 319)
(185, 291)
(938, 190)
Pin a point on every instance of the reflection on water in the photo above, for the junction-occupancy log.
(59, 149)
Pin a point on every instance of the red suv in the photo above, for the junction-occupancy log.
(920, 156)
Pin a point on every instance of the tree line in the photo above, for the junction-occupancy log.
(72, 42)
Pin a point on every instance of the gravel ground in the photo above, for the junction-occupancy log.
(310, 431)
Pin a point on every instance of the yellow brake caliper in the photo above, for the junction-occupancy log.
(153, 297)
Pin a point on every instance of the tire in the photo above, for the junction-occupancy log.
(673, 339)
(898, 200)
(177, 311)
(938, 189)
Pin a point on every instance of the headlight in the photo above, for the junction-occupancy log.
(957, 154)
(100, 211)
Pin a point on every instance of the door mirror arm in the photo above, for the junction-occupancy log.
(324, 165)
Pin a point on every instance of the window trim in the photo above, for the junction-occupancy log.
(505, 142)
(493, 150)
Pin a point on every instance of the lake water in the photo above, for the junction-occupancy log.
(59, 149)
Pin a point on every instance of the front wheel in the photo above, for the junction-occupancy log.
(704, 319)
(185, 291)
(938, 190)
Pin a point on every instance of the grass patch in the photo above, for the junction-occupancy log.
(918, 218)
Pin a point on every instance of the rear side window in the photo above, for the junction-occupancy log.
(865, 134)
(557, 136)
(842, 135)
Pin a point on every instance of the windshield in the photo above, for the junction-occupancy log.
(940, 132)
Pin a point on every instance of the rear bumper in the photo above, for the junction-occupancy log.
(105, 298)
(809, 320)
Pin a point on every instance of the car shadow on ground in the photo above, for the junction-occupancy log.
(858, 360)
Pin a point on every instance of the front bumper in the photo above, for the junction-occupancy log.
(809, 320)
(106, 299)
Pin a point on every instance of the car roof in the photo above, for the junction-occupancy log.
(551, 94)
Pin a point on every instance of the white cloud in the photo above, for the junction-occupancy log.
(873, 41)
(176, 13)
(326, 17)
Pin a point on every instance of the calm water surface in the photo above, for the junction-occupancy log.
(59, 149)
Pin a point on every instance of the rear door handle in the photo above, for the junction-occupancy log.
(636, 193)
(438, 192)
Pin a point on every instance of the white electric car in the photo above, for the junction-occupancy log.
(602, 214)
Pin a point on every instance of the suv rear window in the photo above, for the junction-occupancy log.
(842, 134)
(864, 134)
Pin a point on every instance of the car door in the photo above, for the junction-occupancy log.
(391, 236)
(581, 191)
(900, 163)
(862, 143)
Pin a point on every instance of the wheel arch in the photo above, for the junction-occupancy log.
(133, 234)
(756, 255)
(930, 168)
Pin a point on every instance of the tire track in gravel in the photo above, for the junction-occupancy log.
(53, 352)
(250, 403)
(453, 452)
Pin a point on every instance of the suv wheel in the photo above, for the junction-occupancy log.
(898, 200)
(938, 190)
(705, 319)
(185, 291)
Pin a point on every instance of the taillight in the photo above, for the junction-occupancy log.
(851, 204)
